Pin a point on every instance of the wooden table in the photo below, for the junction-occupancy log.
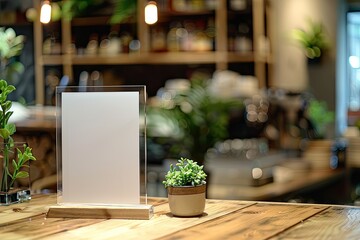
(223, 219)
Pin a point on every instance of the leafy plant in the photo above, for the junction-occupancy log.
(186, 173)
(10, 47)
(313, 40)
(122, 9)
(6, 131)
(319, 116)
(199, 118)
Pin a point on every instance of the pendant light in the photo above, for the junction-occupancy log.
(151, 12)
(45, 12)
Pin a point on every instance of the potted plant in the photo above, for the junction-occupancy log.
(186, 187)
(121, 10)
(320, 117)
(312, 40)
(15, 159)
(318, 149)
(197, 119)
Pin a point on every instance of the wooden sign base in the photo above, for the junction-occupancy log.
(142, 212)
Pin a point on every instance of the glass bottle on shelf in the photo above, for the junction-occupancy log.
(51, 45)
(173, 40)
(158, 40)
(178, 5)
(125, 38)
(92, 45)
(242, 41)
(110, 45)
(238, 5)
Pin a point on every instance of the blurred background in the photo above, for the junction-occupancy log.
(264, 93)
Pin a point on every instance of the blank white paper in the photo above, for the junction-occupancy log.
(100, 148)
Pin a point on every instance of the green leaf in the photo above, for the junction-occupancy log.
(7, 116)
(9, 89)
(7, 105)
(4, 133)
(186, 173)
(22, 174)
(11, 128)
(123, 10)
(16, 67)
(7, 172)
(14, 164)
(3, 84)
(10, 142)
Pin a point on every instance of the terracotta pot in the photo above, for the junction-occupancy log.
(187, 201)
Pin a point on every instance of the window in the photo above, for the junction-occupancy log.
(353, 66)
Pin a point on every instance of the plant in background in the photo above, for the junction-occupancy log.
(320, 117)
(185, 173)
(198, 118)
(10, 47)
(313, 40)
(12, 169)
(122, 9)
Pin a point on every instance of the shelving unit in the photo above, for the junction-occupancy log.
(221, 57)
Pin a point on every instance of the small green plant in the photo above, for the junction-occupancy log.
(186, 173)
(320, 117)
(6, 131)
(198, 119)
(122, 9)
(313, 40)
(10, 48)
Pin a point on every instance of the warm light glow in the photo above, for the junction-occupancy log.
(257, 173)
(45, 13)
(354, 61)
(151, 13)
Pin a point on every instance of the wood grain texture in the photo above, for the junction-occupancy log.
(223, 219)
(144, 212)
(28, 220)
(334, 223)
(162, 224)
(36, 206)
(259, 221)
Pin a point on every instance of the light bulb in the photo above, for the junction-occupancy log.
(151, 13)
(45, 13)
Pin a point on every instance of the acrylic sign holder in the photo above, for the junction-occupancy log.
(101, 153)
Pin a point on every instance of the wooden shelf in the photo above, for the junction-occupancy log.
(240, 57)
(150, 58)
(95, 21)
(220, 57)
(50, 60)
(166, 15)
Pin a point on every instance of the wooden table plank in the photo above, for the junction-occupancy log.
(162, 224)
(221, 220)
(28, 220)
(36, 206)
(334, 223)
(40, 227)
(259, 221)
